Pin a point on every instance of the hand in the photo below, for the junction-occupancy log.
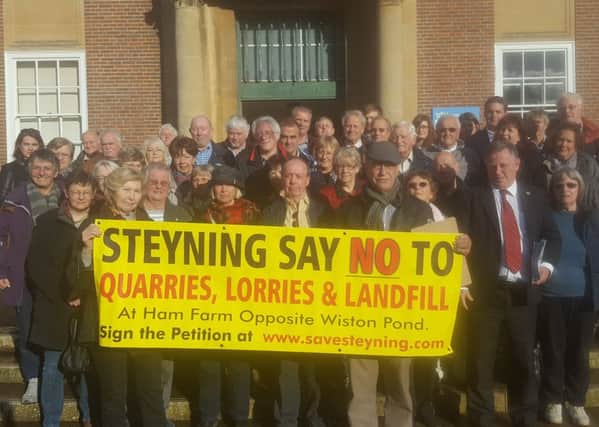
(466, 298)
(4, 283)
(89, 234)
(75, 302)
(544, 274)
(462, 244)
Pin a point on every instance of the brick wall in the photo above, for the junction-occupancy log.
(123, 68)
(587, 56)
(3, 155)
(455, 52)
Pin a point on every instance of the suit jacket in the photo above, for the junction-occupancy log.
(483, 228)
(420, 161)
(319, 213)
(219, 151)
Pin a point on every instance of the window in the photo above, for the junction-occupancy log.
(534, 75)
(45, 91)
(288, 57)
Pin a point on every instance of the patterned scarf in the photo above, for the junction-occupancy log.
(374, 217)
(41, 204)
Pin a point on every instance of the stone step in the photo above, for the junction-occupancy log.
(7, 339)
(11, 408)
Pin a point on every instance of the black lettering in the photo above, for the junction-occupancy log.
(442, 271)
(260, 260)
(149, 246)
(109, 243)
(131, 234)
(309, 255)
(227, 250)
(287, 251)
(329, 251)
(193, 248)
(420, 247)
(171, 244)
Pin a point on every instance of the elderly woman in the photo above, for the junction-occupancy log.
(425, 132)
(15, 172)
(347, 166)
(565, 149)
(100, 171)
(325, 149)
(570, 298)
(132, 158)
(64, 150)
(511, 129)
(226, 207)
(421, 185)
(123, 190)
(57, 232)
(156, 151)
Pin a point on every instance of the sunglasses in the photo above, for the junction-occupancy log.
(415, 185)
(570, 185)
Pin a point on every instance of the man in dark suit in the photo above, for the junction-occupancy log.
(506, 219)
(403, 135)
(480, 142)
(281, 375)
(209, 152)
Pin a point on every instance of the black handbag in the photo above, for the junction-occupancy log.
(75, 358)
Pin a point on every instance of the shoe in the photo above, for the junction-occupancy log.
(30, 395)
(553, 413)
(578, 415)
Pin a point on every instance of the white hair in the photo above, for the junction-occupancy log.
(168, 128)
(238, 122)
(155, 140)
(406, 125)
(570, 95)
(274, 125)
(354, 113)
(448, 117)
(117, 135)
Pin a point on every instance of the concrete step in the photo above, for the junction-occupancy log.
(12, 409)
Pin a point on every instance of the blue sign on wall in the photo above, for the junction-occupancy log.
(454, 111)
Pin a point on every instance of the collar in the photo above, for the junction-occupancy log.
(208, 148)
(304, 200)
(512, 189)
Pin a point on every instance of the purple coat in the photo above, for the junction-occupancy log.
(16, 225)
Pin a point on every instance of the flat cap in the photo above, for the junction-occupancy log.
(384, 152)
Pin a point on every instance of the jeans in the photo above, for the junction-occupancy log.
(29, 361)
(52, 391)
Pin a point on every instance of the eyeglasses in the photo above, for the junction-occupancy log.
(159, 183)
(569, 185)
(416, 185)
(452, 130)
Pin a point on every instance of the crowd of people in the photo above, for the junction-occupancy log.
(524, 192)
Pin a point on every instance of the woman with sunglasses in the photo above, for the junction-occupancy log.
(421, 185)
(569, 299)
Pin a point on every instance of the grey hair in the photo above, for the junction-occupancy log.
(90, 132)
(570, 95)
(406, 125)
(570, 173)
(301, 108)
(354, 113)
(238, 122)
(274, 125)
(114, 133)
(347, 153)
(169, 128)
(155, 166)
(448, 117)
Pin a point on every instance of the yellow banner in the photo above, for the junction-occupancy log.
(181, 285)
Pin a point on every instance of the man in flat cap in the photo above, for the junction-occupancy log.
(382, 206)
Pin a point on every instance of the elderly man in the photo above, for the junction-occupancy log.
(209, 152)
(253, 163)
(353, 123)
(90, 153)
(403, 135)
(382, 206)
(157, 184)
(238, 130)
(280, 402)
(111, 143)
(289, 140)
(21, 208)
(506, 219)
(570, 109)
(167, 133)
(448, 131)
(494, 110)
(303, 118)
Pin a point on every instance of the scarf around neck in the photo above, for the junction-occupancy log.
(380, 201)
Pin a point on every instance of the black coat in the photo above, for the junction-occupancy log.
(483, 229)
(84, 287)
(11, 175)
(51, 271)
